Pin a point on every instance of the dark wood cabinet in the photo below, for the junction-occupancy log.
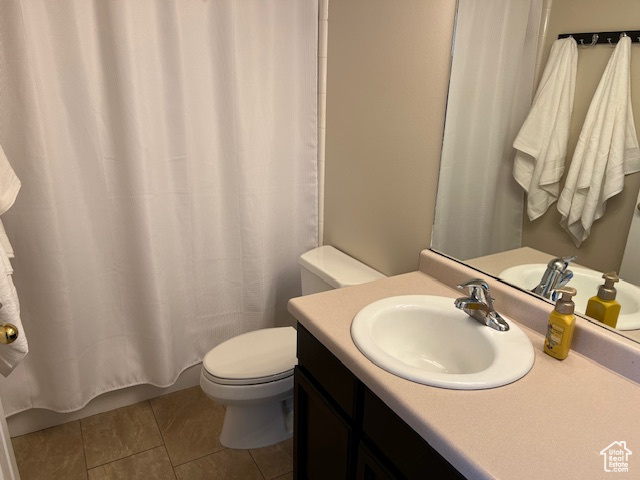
(323, 437)
(369, 468)
(344, 431)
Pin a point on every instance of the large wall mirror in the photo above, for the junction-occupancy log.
(499, 56)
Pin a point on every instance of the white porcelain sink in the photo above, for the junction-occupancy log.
(586, 282)
(428, 340)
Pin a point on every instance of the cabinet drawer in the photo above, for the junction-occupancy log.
(397, 443)
(329, 374)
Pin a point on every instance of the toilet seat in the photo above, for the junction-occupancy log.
(253, 358)
(246, 381)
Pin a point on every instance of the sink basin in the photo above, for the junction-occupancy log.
(586, 282)
(428, 340)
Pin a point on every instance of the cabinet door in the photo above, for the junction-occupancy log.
(335, 380)
(398, 446)
(322, 439)
(369, 468)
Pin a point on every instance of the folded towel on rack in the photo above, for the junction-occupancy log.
(541, 144)
(607, 149)
(9, 183)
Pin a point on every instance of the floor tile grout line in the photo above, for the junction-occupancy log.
(164, 440)
(127, 456)
(84, 450)
(264, 477)
(173, 469)
(256, 464)
(221, 450)
(200, 458)
(165, 443)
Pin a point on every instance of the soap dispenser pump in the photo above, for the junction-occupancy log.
(562, 321)
(604, 307)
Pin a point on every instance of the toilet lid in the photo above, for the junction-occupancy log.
(251, 356)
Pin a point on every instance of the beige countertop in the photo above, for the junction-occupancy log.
(552, 423)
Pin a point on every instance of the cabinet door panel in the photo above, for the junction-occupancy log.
(328, 372)
(400, 444)
(322, 438)
(369, 468)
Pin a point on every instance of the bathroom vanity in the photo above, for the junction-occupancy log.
(343, 430)
(355, 420)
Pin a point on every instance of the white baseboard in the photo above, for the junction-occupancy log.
(39, 418)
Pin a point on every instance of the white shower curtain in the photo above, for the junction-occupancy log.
(479, 204)
(167, 151)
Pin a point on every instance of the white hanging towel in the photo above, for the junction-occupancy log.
(541, 144)
(5, 244)
(11, 354)
(9, 186)
(9, 183)
(6, 250)
(607, 149)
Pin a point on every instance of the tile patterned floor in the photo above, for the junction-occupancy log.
(173, 437)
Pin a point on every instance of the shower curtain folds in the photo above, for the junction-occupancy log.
(167, 151)
(489, 97)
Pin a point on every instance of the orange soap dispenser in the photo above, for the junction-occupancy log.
(562, 322)
(604, 307)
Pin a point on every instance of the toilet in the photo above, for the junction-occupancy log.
(252, 374)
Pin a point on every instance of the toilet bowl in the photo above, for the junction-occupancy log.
(252, 374)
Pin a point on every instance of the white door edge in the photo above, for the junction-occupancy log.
(8, 465)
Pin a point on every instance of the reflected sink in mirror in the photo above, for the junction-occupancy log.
(426, 339)
(586, 282)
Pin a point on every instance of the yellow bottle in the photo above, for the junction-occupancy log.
(562, 322)
(604, 307)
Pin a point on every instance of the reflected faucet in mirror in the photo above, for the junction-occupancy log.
(479, 305)
(586, 281)
(556, 275)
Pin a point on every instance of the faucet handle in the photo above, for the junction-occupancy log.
(478, 290)
(474, 282)
(561, 263)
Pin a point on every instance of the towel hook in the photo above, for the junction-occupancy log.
(594, 40)
(622, 35)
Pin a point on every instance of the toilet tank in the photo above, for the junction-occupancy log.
(326, 268)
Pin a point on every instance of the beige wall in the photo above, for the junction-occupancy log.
(388, 74)
(604, 248)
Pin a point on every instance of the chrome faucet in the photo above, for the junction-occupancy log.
(479, 305)
(555, 276)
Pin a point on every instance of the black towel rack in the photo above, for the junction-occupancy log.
(595, 38)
